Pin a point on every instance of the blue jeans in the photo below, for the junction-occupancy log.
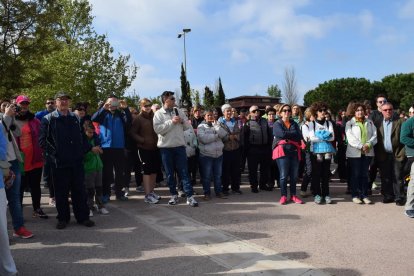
(211, 168)
(288, 167)
(175, 159)
(359, 175)
(13, 197)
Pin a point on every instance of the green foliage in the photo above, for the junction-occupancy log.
(195, 95)
(208, 98)
(338, 93)
(219, 97)
(399, 90)
(274, 91)
(61, 51)
(185, 90)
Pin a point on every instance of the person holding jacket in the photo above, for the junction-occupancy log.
(361, 134)
(321, 133)
(210, 135)
(287, 152)
(113, 118)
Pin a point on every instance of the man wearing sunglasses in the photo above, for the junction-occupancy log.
(257, 140)
(377, 117)
(50, 106)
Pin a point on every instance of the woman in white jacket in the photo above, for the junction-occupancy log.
(321, 134)
(361, 134)
(210, 135)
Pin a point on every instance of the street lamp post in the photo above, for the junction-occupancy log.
(185, 58)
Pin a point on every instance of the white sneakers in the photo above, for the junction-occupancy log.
(191, 201)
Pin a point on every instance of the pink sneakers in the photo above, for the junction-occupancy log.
(296, 199)
(283, 200)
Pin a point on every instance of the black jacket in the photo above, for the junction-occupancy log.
(62, 139)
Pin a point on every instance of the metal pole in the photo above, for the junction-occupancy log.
(185, 59)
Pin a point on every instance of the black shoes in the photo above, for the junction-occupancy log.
(266, 188)
(400, 202)
(61, 225)
(255, 190)
(87, 223)
(388, 200)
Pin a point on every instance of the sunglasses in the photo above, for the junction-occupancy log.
(254, 111)
(147, 105)
(322, 110)
(50, 103)
(286, 110)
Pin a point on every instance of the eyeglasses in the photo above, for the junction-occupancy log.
(386, 110)
(50, 103)
(322, 110)
(286, 110)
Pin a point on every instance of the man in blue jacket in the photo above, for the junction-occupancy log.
(64, 143)
(114, 119)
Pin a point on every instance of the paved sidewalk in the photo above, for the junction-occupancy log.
(249, 234)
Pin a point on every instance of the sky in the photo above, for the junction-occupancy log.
(250, 43)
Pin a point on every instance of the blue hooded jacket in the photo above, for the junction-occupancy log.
(113, 127)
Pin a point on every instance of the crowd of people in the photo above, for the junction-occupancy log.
(84, 159)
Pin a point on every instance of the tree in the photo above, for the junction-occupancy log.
(338, 93)
(274, 91)
(399, 89)
(66, 53)
(195, 94)
(290, 86)
(185, 90)
(219, 96)
(208, 98)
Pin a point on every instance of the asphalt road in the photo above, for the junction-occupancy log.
(249, 234)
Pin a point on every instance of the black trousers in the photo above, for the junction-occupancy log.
(257, 156)
(231, 170)
(31, 179)
(307, 174)
(71, 179)
(321, 173)
(392, 173)
(113, 160)
(133, 164)
(341, 157)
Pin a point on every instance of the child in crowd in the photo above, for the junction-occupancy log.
(93, 171)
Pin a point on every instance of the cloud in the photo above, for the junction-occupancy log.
(147, 84)
(406, 11)
(366, 20)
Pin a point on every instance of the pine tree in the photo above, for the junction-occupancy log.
(185, 90)
(208, 98)
(220, 97)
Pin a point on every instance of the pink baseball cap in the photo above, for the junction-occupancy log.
(22, 98)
